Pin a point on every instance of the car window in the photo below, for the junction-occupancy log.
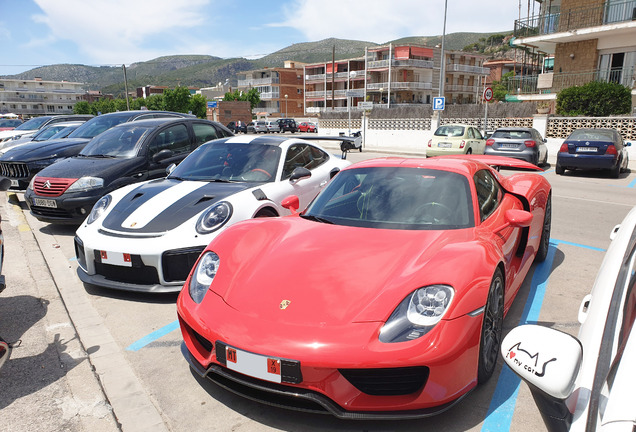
(34, 123)
(489, 193)
(117, 142)
(477, 134)
(203, 132)
(450, 131)
(303, 155)
(396, 198)
(173, 138)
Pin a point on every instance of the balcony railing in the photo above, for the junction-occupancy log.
(270, 95)
(468, 69)
(457, 88)
(381, 64)
(257, 82)
(318, 77)
(576, 18)
(559, 81)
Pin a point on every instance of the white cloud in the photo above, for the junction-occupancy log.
(116, 31)
(380, 20)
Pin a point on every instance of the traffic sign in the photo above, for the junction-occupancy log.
(212, 104)
(488, 94)
(438, 103)
(365, 105)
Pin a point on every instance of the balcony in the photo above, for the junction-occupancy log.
(270, 95)
(317, 77)
(576, 18)
(457, 88)
(555, 82)
(416, 63)
(258, 82)
(456, 67)
(400, 85)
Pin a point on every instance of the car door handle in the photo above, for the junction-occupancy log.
(138, 175)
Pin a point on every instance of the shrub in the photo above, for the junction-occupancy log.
(594, 99)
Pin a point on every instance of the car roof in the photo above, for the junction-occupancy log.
(463, 166)
(263, 140)
(159, 121)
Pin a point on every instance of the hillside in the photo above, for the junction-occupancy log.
(206, 71)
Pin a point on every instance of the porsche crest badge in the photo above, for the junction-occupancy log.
(283, 305)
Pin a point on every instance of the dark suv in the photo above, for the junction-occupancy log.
(288, 125)
(237, 126)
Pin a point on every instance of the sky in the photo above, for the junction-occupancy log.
(37, 33)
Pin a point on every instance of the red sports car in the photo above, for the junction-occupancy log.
(307, 127)
(383, 299)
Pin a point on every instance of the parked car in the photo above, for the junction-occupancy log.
(21, 164)
(52, 131)
(65, 192)
(587, 383)
(37, 123)
(273, 127)
(163, 225)
(257, 127)
(287, 125)
(237, 127)
(400, 333)
(520, 143)
(456, 139)
(9, 123)
(590, 148)
(307, 127)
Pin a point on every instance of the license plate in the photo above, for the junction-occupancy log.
(254, 365)
(508, 145)
(586, 149)
(41, 202)
(14, 183)
(444, 145)
(116, 258)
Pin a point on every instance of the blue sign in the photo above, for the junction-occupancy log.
(438, 103)
(212, 104)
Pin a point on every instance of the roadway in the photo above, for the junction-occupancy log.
(101, 360)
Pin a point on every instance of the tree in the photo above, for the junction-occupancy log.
(500, 88)
(177, 100)
(199, 105)
(594, 99)
(82, 107)
(252, 96)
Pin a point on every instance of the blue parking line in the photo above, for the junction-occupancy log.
(136, 346)
(502, 405)
(632, 184)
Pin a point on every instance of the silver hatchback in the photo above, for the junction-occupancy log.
(257, 127)
(519, 143)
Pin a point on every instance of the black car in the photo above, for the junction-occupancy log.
(288, 125)
(37, 123)
(22, 163)
(66, 191)
(237, 127)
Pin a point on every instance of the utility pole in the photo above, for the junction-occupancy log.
(126, 87)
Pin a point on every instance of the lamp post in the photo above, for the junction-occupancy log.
(381, 91)
(286, 105)
(352, 75)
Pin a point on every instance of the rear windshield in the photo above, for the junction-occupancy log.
(514, 134)
(592, 135)
(33, 124)
(450, 131)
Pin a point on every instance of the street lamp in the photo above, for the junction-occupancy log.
(381, 91)
(286, 105)
(352, 75)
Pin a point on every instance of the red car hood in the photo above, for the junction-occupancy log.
(331, 274)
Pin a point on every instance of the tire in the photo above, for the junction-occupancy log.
(616, 172)
(544, 243)
(469, 151)
(491, 329)
(559, 169)
(626, 165)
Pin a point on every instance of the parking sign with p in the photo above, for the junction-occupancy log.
(438, 103)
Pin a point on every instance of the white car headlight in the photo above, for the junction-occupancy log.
(417, 314)
(214, 218)
(203, 275)
(86, 183)
(98, 209)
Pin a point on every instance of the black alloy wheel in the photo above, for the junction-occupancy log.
(491, 329)
(544, 244)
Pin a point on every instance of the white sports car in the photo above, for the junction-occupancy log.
(587, 383)
(147, 236)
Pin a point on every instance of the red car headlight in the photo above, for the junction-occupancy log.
(417, 314)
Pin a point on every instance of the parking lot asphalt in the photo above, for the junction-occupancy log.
(90, 359)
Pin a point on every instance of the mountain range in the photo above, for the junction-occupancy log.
(207, 71)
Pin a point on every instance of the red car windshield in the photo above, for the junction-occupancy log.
(395, 198)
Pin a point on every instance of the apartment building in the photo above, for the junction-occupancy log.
(393, 75)
(590, 40)
(35, 97)
(281, 89)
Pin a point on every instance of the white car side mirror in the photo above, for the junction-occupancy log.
(545, 358)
